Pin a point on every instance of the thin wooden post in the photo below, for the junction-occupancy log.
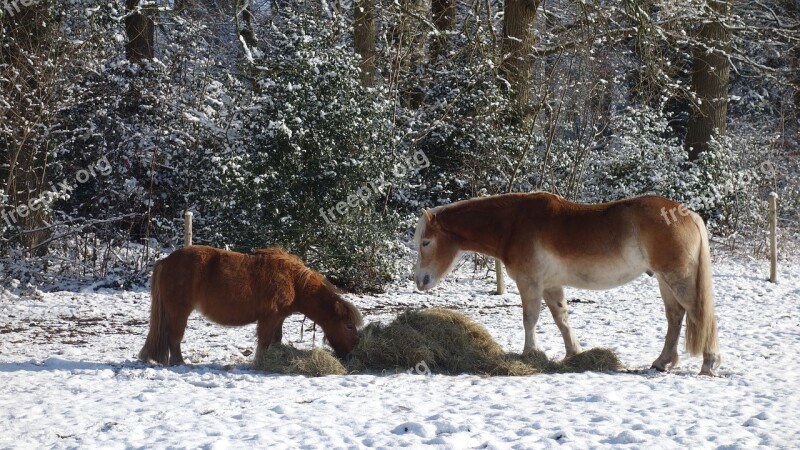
(187, 228)
(501, 281)
(773, 239)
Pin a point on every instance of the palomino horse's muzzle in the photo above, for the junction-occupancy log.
(423, 283)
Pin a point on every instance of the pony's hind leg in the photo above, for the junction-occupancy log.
(674, 311)
(176, 326)
(531, 296)
(558, 308)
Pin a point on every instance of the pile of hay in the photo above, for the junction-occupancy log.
(445, 340)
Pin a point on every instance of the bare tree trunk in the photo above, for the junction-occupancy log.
(710, 75)
(517, 43)
(408, 36)
(248, 31)
(139, 30)
(25, 117)
(444, 18)
(364, 36)
(793, 10)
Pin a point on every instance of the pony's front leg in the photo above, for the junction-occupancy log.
(531, 295)
(558, 308)
(277, 336)
(267, 331)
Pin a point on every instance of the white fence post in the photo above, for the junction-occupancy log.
(501, 281)
(187, 228)
(773, 239)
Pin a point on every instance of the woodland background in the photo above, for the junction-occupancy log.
(254, 115)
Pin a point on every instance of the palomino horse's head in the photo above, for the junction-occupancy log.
(342, 331)
(438, 251)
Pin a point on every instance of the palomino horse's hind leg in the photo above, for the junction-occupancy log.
(558, 308)
(711, 362)
(531, 307)
(669, 355)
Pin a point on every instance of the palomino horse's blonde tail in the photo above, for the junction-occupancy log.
(156, 346)
(701, 326)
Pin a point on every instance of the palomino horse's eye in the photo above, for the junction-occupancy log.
(425, 243)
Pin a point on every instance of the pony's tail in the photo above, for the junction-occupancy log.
(156, 347)
(701, 326)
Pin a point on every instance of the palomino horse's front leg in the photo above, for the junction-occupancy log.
(531, 306)
(554, 298)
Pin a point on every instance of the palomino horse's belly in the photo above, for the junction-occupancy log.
(601, 278)
(593, 273)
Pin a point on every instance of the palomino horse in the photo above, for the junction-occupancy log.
(547, 242)
(236, 289)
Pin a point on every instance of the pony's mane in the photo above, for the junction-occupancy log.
(351, 311)
(304, 275)
(294, 264)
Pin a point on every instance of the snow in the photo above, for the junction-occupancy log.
(70, 379)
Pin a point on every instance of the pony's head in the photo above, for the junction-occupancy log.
(341, 330)
(438, 251)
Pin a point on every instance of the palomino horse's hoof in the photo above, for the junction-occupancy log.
(708, 373)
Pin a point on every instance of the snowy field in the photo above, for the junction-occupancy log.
(69, 377)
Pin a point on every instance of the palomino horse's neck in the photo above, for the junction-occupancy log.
(480, 225)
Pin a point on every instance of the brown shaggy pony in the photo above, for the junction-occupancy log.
(236, 289)
(547, 242)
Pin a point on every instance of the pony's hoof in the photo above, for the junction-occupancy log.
(658, 368)
(708, 373)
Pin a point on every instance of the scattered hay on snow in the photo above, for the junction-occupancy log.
(446, 340)
(596, 359)
(287, 359)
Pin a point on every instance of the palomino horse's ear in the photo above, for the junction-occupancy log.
(430, 217)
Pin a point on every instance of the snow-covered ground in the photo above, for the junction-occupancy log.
(69, 378)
